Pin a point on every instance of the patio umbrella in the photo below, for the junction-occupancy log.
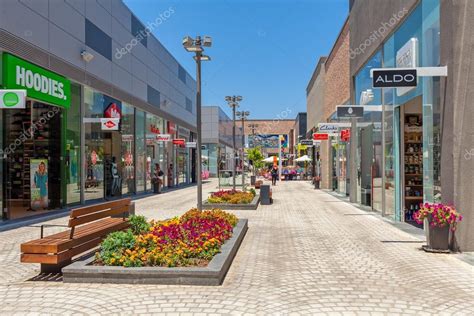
(304, 158)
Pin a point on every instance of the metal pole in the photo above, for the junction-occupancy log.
(233, 146)
(243, 149)
(198, 114)
(279, 158)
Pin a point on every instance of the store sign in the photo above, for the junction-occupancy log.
(113, 111)
(394, 78)
(328, 128)
(12, 99)
(171, 127)
(154, 129)
(350, 111)
(109, 124)
(306, 142)
(191, 145)
(38, 82)
(407, 58)
(320, 136)
(179, 142)
(345, 135)
(163, 137)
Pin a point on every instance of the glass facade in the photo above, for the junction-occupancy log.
(73, 170)
(408, 115)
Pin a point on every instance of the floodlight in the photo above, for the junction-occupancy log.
(207, 41)
(188, 41)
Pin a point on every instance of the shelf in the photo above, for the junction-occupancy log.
(413, 198)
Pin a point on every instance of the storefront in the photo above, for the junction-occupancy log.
(72, 144)
(398, 156)
(39, 147)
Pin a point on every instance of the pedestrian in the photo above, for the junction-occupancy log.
(170, 176)
(274, 172)
(157, 178)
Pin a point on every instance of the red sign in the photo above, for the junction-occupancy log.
(171, 128)
(154, 129)
(320, 136)
(179, 142)
(113, 111)
(345, 135)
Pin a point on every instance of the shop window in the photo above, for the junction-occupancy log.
(140, 150)
(72, 172)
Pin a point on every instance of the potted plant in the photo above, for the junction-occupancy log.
(441, 219)
(255, 156)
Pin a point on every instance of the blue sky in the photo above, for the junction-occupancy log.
(263, 50)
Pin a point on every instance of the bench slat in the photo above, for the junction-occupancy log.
(57, 245)
(95, 216)
(99, 207)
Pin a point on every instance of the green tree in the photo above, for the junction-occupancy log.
(255, 155)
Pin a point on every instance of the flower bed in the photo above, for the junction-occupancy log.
(190, 240)
(231, 197)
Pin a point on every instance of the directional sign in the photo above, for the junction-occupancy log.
(306, 142)
(320, 136)
(328, 127)
(350, 111)
(394, 78)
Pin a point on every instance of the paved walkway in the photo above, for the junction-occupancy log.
(308, 253)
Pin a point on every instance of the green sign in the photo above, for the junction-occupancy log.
(12, 99)
(38, 82)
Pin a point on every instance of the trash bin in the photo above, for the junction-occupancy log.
(265, 195)
(156, 187)
(252, 180)
(366, 197)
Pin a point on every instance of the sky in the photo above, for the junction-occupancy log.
(263, 50)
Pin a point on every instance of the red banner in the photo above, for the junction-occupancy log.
(320, 136)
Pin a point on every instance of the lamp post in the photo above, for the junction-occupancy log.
(243, 115)
(196, 46)
(233, 102)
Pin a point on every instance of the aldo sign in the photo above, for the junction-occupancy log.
(39, 83)
(394, 78)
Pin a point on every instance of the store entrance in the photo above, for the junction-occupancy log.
(32, 168)
(412, 159)
(112, 165)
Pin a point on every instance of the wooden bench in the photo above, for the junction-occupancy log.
(88, 227)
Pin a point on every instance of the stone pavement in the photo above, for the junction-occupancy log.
(308, 253)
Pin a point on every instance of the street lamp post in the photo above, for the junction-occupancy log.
(233, 102)
(243, 115)
(196, 46)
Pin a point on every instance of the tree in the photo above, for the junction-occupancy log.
(256, 157)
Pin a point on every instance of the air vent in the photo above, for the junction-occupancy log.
(22, 49)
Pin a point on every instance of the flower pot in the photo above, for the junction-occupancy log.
(438, 237)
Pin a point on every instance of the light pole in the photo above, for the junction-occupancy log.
(233, 102)
(243, 115)
(196, 46)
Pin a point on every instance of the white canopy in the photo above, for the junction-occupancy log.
(303, 158)
(270, 159)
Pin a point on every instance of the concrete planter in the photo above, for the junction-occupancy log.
(251, 206)
(213, 274)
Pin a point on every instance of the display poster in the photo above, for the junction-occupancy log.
(39, 184)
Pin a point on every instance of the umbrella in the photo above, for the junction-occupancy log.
(303, 159)
(270, 159)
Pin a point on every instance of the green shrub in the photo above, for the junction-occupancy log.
(139, 224)
(252, 190)
(114, 245)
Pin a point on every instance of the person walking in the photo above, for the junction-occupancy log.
(157, 182)
(274, 172)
